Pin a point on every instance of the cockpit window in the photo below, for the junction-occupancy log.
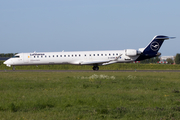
(16, 56)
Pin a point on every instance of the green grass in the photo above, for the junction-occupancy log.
(117, 66)
(89, 95)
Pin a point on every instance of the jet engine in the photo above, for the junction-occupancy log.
(132, 52)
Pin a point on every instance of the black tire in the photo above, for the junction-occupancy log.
(96, 68)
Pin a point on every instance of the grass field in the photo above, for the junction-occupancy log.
(89, 95)
(117, 66)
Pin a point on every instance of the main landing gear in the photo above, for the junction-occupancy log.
(96, 68)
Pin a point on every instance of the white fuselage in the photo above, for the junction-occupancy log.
(78, 57)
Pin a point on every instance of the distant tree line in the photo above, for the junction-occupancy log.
(7, 54)
(170, 61)
(177, 58)
(151, 60)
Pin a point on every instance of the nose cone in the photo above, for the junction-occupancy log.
(7, 63)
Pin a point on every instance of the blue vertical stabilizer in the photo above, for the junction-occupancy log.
(151, 50)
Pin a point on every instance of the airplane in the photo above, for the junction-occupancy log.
(94, 58)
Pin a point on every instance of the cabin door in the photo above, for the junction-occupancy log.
(26, 58)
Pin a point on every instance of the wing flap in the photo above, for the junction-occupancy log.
(93, 62)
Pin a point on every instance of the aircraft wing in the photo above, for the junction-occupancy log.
(99, 62)
(105, 62)
(91, 62)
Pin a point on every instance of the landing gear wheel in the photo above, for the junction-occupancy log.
(95, 68)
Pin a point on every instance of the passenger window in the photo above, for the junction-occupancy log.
(97, 54)
(60, 55)
(64, 55)
(68, 55)
(109, 54)
(56, 55)
(75, 55)
(105, 54)
(49, 56)
(79, 55)
(101, 54)
(85, 55)
(116, 53)
(113, 54)
(34, 56)
(94, 54)
(37, 56)
(72, 55)
(89, 54)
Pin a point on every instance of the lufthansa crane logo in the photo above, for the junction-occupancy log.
(155, 46)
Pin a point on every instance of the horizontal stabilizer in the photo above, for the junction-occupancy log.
(164, 37)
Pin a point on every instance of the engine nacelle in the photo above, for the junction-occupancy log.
(132, 52)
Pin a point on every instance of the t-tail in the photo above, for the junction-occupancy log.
(153, 47)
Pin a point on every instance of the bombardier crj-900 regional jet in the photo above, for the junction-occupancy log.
(94, 58)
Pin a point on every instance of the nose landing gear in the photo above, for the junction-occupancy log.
(13, 68)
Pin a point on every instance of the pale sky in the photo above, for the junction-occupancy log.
(82, 25)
